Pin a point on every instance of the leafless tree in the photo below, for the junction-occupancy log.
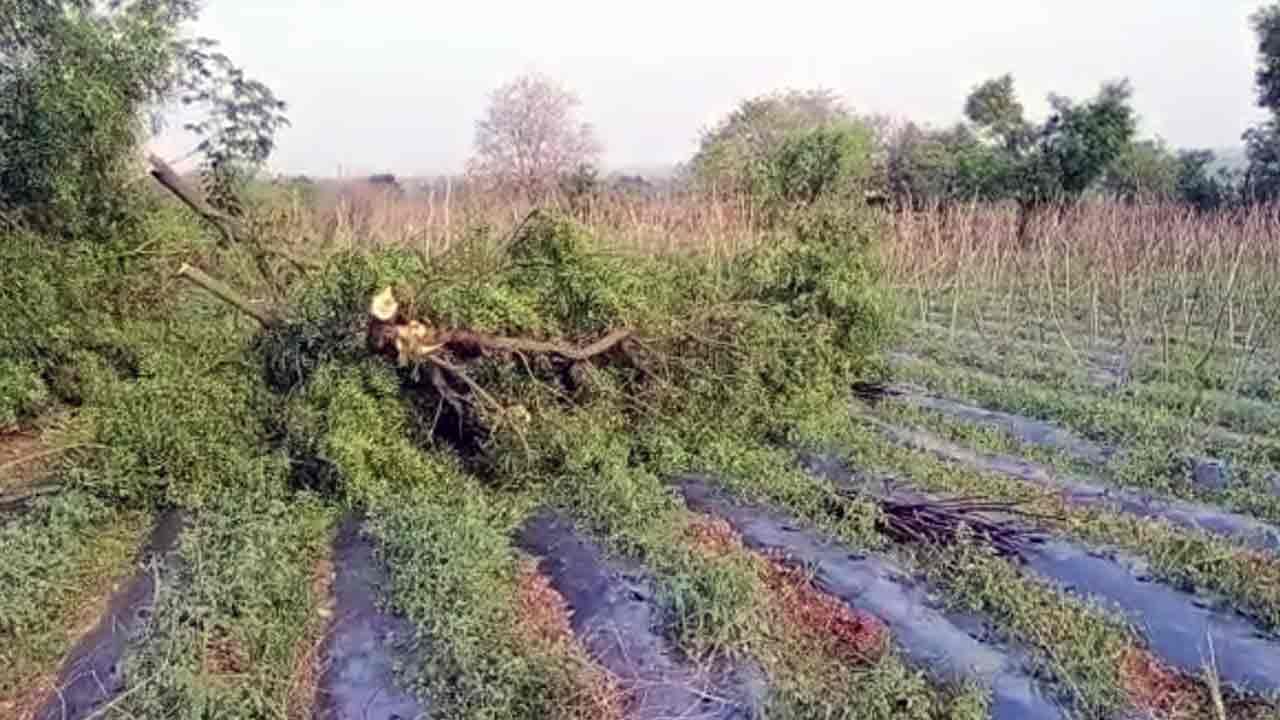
(530, 137)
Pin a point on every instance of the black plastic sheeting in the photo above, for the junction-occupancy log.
(949, 646)
(1027, 430)
(366, 643)
(93, 673)
(1196, 516)
(616, 616)
(1187, 630)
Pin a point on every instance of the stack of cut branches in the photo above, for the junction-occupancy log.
(932, 521)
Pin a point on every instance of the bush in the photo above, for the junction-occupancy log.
(71, 112)
(22, 391)
(825, 162)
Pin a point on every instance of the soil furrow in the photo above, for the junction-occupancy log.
(1248, 531)
(1186, 630)
(947, 645)
(1027, 430)
(366, 642)
(93, 675)
(616, 616)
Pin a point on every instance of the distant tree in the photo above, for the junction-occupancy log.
(733, 154)
(1198, 186)
(1266, 28)
(1262, 176)
(994, 108)
(1059, 160)
(826, 161)
(1147, 170)
(925, 167)
(1000, 155)
(1080, 141)
(530, 138)
(581, 187)
(1262, 143)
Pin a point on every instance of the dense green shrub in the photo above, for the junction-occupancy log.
(825, 162)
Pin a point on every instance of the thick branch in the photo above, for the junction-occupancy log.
(223, 292)
(413, 341)
(225, 224)
(26, 495)
(484, 341)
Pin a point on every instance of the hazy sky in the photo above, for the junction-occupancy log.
(397, 85)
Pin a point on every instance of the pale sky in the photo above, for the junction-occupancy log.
(397, 85)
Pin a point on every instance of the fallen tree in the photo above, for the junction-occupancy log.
(543, 356)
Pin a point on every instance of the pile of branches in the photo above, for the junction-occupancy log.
(946, 521)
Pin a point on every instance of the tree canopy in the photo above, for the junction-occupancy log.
(530, 138)
(81, 87)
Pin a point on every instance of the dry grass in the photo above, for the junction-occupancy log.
(596, 695)
(308, 663)
(846, 634)
(431, 222)
(1157, 274)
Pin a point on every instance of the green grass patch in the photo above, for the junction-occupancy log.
(58, 561)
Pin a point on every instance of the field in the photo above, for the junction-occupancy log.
(869, 466)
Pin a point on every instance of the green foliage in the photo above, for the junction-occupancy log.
(71, 105)
(1145, 171)
(48, 554)
(226, 627)
(829, 161)
(993, 107)
(1002, 156)
(1262, 178)
(730, 357)
(178, 433)
(1080, 141)
(741, 153)
(1266, 28)
(23, 393)
(77, 83)
(1198, 187)
(1262, 143)
(925, 167)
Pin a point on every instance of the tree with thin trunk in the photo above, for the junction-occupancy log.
(530, 138)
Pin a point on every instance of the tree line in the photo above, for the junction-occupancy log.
(793, 145)
(81, 84)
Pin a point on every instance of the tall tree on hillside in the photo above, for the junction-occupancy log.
(530, 138)
(1262, 143)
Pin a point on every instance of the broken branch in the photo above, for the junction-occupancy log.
(223, 292)
(226, 225)
(415, 341)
